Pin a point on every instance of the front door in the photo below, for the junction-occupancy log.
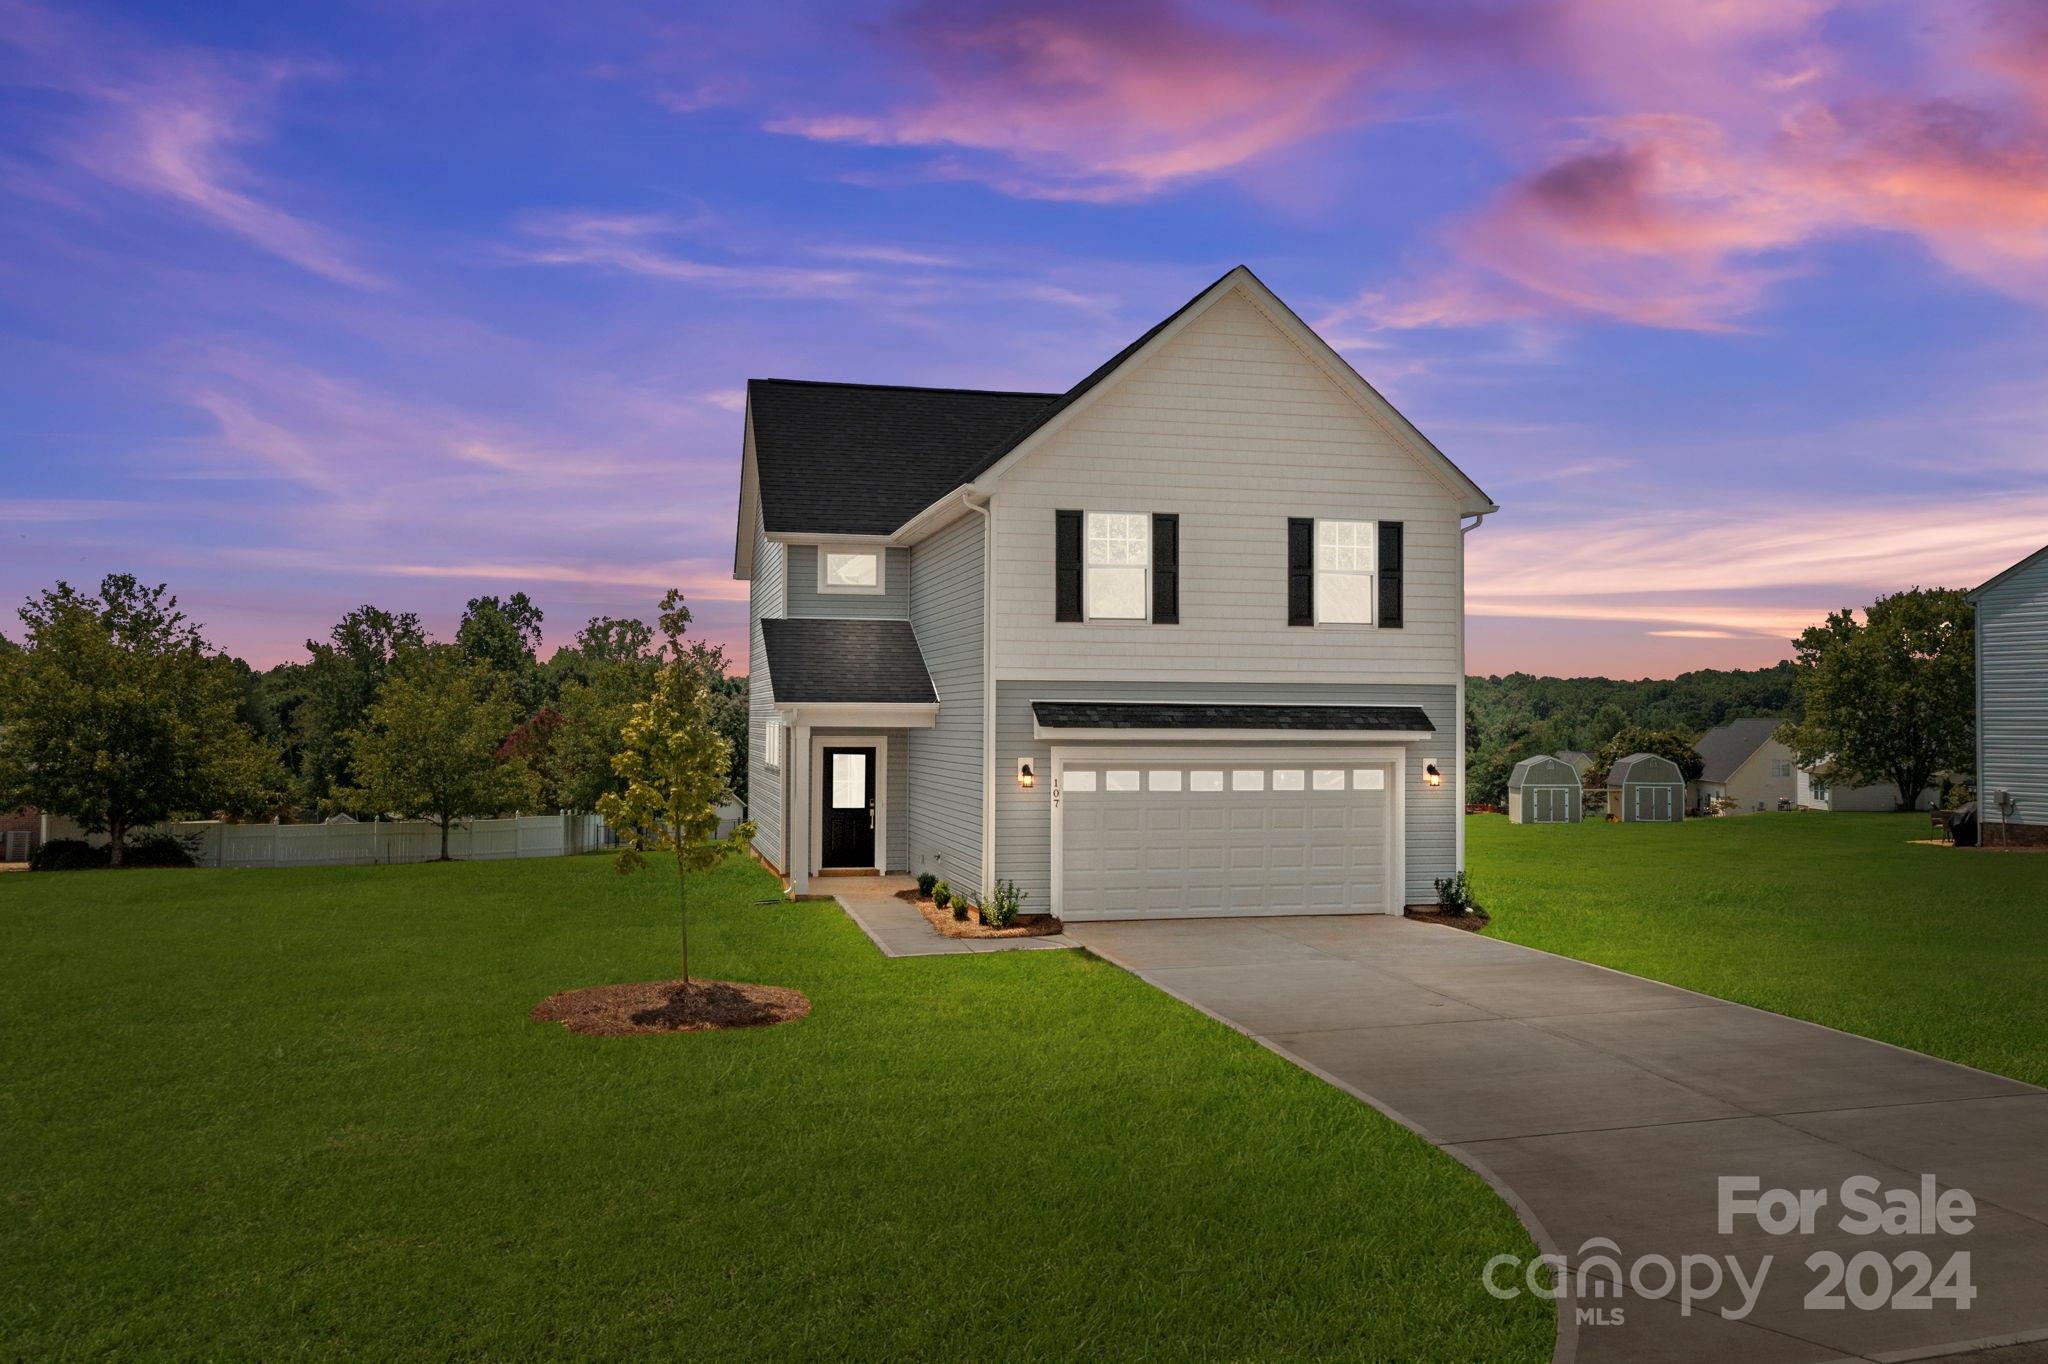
(848, 829)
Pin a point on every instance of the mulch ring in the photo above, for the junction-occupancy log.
(1472, 920)
(671, 1006)
(1025, 926)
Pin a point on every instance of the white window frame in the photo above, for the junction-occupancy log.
(771, 743)
(1144, 567)
(875, 552)
(1371, 545)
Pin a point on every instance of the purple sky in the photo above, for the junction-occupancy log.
(1735, 306)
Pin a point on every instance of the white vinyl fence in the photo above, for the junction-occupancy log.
(216, 844)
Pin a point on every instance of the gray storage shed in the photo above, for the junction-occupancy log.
(1545, 790)
(1645, 788)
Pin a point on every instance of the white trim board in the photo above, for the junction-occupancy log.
(1353, 755)
(821, 742)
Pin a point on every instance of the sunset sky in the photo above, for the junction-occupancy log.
(1739, 308)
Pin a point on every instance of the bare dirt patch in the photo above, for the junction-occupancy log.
(1472, 920)
(671, 1006)
(1026, 925)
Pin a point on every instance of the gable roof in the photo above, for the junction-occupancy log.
(2019, 567)
(1726, 748)
(1654, 770)
(861, 459)
(865, 459)
(1543, 766)
(815, 658)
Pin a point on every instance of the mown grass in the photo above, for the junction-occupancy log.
(303, 1114)
(1838, 918)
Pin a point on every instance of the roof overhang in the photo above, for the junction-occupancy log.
(750, 505)
(1989, 583)
(1223, 722)
(849, 714)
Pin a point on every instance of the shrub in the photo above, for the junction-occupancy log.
(925, 882)
(961, 904)
(1003, 905)
(942, 894)
(67, 854)
(159, 850)
(1454, 895)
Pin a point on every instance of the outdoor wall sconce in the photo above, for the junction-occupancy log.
(1431, 775)
(1026, 778)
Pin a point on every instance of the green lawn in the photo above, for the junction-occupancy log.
(1841, 919)
(303, 1114)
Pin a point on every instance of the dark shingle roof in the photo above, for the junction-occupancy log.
(1217, 715)
(861, 459)
(816, 659)
(1727, 747)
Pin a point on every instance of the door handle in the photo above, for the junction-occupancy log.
(871, 814)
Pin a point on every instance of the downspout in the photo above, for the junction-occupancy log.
(1458, 809)
(988, 692)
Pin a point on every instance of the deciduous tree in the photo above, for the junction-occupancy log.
(1890, 698)
(118, 715)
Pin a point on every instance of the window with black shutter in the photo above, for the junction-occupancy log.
(1165, 568)
(1066, 556)
(1391, 535)
(1301, 570)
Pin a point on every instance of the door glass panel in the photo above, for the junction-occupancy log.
(849, 781)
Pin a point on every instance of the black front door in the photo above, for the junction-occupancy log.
(848, 793)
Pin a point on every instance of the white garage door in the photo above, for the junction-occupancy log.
(1158, 839)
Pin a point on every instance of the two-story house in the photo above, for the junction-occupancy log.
(1185, 639)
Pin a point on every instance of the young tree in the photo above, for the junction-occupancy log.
(116, 715)
(428, 747)
(1891, 698)
(674, 764)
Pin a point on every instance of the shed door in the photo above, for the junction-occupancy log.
(1169, 839)
(1549, 805)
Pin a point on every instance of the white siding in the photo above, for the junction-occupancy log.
(891, 603)
(764, 786)
(1024, 818)
(1232, 426)
(2012, 694)
(946, 785)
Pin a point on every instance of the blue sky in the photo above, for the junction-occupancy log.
(1735, 307)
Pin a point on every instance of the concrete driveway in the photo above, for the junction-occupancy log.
(1605, 1105)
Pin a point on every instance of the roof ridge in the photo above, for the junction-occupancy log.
(909, 388)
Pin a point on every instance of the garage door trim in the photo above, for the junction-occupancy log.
(1095, 755)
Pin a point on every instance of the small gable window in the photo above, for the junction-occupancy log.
(849, 570)
(1344, 555)
(1119, 557)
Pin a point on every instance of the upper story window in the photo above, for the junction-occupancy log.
(1781, 767)
(850, 570)
(1344, 571)
(1118, 561)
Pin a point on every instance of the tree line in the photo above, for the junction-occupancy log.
(117, 713)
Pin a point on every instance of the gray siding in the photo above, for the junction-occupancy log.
(2012, 697)
(946, 783)
(1024, 818)
(764, 786)
(897, 854)
(891, 603)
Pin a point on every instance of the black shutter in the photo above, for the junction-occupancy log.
(1066, 560)
(1301, 570)
(1165, 568)
(1390, 574)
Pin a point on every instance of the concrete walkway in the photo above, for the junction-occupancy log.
(1604, 1105)
(899, 930)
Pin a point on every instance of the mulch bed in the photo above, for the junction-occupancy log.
(1472, 920)
(1025, 925)
(671, 1006)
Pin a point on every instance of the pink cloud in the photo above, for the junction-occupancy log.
(172, 124)
(1110, 101)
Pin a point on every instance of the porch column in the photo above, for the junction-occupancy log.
(798, 754)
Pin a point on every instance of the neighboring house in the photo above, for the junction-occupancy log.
(1743, 763)
(2012, 702)
(1185, 639)
(1545, 791)
(1645, 788)
(1582, 763)
(1813, 789)
(20, 834)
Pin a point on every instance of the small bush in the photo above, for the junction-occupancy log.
(942, 894)
(925, 882)
(1003, 905)
(158, 850)
(961, 904)
(67, 854)
(1453, 895)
